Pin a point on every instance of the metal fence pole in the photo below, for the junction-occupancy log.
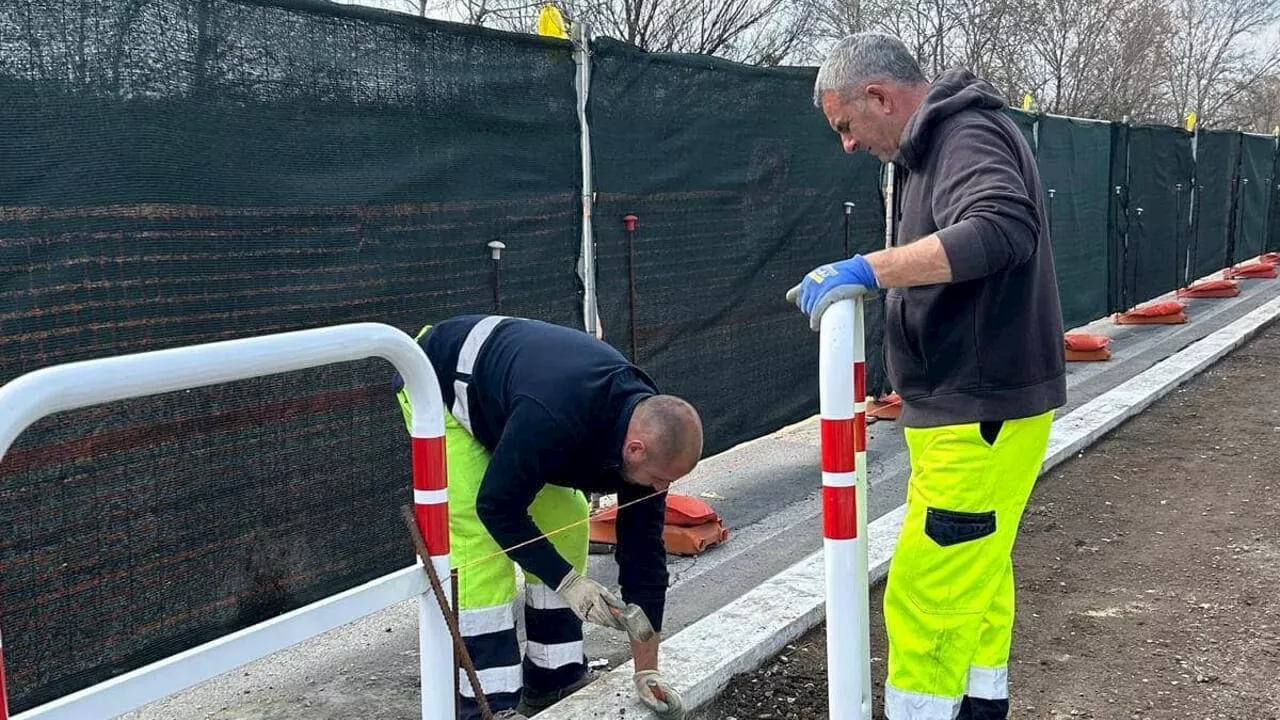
(587, 259)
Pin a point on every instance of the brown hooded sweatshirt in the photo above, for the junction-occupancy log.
(988, 345)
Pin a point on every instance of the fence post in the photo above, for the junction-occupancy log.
(587, 257)
(842, 396)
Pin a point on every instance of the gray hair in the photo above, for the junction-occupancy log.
(866, 56)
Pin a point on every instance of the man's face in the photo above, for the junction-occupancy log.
(863, 123)
(640, 469)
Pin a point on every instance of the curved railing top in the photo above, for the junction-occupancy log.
(34, 395)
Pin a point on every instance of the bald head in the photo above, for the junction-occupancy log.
(663, 443)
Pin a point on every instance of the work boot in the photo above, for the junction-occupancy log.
(531, 704)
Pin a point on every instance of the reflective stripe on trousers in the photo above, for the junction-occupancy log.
(949, 596)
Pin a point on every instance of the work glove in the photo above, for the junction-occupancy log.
(591, 601)
(658, 695)
(831, 283)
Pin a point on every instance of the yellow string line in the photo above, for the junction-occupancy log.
(574, 524)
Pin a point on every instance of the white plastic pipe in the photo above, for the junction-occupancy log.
(44, 392)
(843, 509)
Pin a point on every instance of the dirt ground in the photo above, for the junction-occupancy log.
(1148, 572)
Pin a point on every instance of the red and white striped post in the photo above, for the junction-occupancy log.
(431, 508)
(842, 402)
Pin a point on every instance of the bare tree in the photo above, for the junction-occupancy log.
(834, 19)
(981, 35)
(983, 30)
(1211, 64)
(1257, 108)
(1068, 39)
(763, 32)
(1100, 58)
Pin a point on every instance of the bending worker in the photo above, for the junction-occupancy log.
(537, 416)
(973, 344)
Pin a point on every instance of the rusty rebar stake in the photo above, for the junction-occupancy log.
(457, 659)
(461, 649)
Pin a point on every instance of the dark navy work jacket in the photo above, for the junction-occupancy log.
(552, 405)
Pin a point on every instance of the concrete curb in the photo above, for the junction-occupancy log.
(701, 659)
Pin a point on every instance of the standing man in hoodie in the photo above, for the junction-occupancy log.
(973, 344)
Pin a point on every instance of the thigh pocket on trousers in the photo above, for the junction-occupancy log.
(950, 565)
(951, 527)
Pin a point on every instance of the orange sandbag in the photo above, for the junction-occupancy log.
(1259, 270)
(1168, 312)
(691, 526)
(688, 511)
(682, 511)
(689, 541)
(1086, 347)
(1158, 309)
(1086, 342)
(1088, 355)
(888, 407)
(1211, 289)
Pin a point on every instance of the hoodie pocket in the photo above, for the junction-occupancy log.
(903, 357)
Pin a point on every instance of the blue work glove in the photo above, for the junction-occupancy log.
(831, 283)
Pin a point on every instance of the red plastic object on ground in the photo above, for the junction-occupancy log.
(1258, 271)
(1168, 312)
(1271, 257)
(1085, 347)
(887, 407)
(1211, 289)
(692, 526)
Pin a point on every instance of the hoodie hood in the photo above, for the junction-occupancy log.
(950, 93)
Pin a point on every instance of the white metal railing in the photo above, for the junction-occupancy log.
(43, 392)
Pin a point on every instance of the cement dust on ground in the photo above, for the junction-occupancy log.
(1148, 572)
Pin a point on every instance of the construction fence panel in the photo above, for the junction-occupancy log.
(1160, 172)
(724, 228)
(1217, 154)
(1074, 161)
(1257, 164)
(182, 171)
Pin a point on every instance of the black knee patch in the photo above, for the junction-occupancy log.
(952, 527)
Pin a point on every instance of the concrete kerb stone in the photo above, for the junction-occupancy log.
(701, 659)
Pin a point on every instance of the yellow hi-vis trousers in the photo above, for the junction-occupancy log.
(554, 657)
(949, 596)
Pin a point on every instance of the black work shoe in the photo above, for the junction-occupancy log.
(532, 704)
